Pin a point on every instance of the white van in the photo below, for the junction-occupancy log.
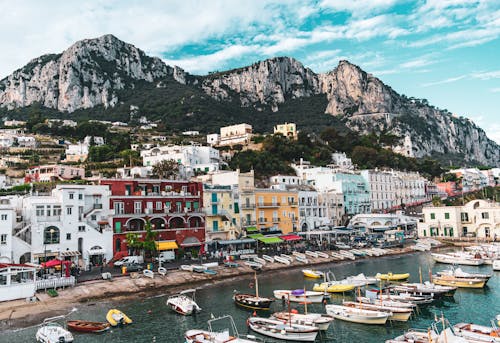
(129, 260)
(166, 256)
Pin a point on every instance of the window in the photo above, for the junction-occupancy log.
(51, 235)
(261, 201)
(3, 239)
(464, 216)
(119, 208)
(4, 217)
(485, 215)
(93, 217)
(40, 211)
(149, 205)
(137, 207)
(71, 195)
(446, 215)
(433, 216)
(158, 205)
(80, 196)
(68, 236)
(56, 210)
(81, 228)
(69, 210)
(167, 205)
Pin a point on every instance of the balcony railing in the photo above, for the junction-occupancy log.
(246, 223)
(268, 204)
(49, 219)
(247, 206)
(262, 220)
(276, 220)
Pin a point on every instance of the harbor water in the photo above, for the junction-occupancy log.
(154, 322)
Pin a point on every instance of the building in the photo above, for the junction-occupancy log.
(222, 212)
(17, 281)
(93, 140)
(8, 217)
(14, 123)
(286, 180)
(409, 188)
(174, 209)
(235, 134)
(288, 130)
(53, 172)
(334, 205)
(6, 141)
(192, 159)
(340, 160)
(62, 122)
(406, 149)
(312, 210)
(450, 188)
(382, 186)
(471, 179)
(77, 152)
(213, 139)
(134, 172)
(26, 141)
(477, 218)
(377, 222)
(276, 209)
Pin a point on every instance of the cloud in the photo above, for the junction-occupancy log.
(486, 75)
(358, 7)
(495, 90)
(448, 80)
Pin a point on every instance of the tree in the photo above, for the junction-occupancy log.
(436, 201)
(130, 157)
(166, 169)
(133, 242)
(149, 243)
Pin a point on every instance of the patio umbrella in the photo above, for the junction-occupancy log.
(51, 263)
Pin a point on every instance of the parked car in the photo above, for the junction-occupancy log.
(127, 260)
(134, 267)
(166, 256)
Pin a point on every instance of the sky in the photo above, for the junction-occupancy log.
(445, 51)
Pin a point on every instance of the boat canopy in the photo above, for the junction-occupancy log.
(291, 237)
(270, 240)
(166, 245)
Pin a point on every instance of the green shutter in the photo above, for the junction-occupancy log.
(118, 227)
(236, 208)
(195, 205)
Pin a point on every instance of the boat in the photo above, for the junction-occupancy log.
(457, 259)
(285, 331)
(87, 326)
(53, 332)
(358, 252)
(302, 259)
(416, 336)
(183, 303)
(365, 280)
(198, 268)
(268, 258)
(459, 273)
(356, 315)
(496, 265)
(288, 257)
(322, 254)
(478, 332)
(450, 280)
(231, 264)
(347, 254)
(342, 246)
(400, 314)
(337, 256)
(186, 267)
(210, 271)
(282, 260)
(386, 302)
(116, 317)
(254, 265)
(321, 321)
(312, 254)
(408, 298)
(298, 254)
(211, 336)
(299, 295)
(313, 274)
(259, 260)
(392, 277)
(426, 288)
(333, 287)
(253, 301)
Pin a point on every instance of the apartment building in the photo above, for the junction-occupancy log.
(222, 212)
(277, 209)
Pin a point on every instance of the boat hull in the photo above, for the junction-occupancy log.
(351, 316)
(86, 326)
(310, 297)
(277, 329)
(460, 283)
(249, 301)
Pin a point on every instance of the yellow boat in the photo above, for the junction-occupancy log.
(333, 287)
(458, 282)
(116, 317)
(392, 277)
(313, 274)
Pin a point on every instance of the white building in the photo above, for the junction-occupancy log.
(7, 222)
(287, 180)
(77, 152)
(477, 218)
(409, 188)
(471, 178)
(26, 141)
(53, 172)
(213, 139)
(378, 222)
(6, 141)
(10, 123)
(312, 210)
(134, 172)
(192, 158)
(334, 205)
(232, 135)
(340, 160)
(406, 149)
(96, 140)
(382, 188)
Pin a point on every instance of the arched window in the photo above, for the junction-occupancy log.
(51, 235)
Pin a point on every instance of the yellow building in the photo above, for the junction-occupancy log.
(288, 130)
(221, 212)
(277, 208)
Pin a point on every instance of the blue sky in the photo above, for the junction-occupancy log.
(446, 51)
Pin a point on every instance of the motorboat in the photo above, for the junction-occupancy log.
(460, 274)
(268, 258)
(116, 317)
(463, 259)
(210, 271)
(288, 257)
(253, 301)
(358, 252)
(392, 277)
(416, 336)
(426, 288)
(342, 246)
(387, 302)
(450, 280)
(408, 298)
(298, 254)
(285, 331)
(299, 295)
(231, 264)
(184, 303)
(357, 315)
(337, 256)
(347, 254)
(211, 336)
(282, 260)
(478, 332)
(313, 274)
(361, 278)
(87, 326)
(333, 287)
(53, 332)
(400, 314)
(321, 321)
(186, 267)
(259, 260)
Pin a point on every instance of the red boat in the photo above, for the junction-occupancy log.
(86, 326)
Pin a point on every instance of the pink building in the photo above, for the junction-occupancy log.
(53, 172)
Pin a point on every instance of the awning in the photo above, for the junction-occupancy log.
(252, 229)
(166, 245)
(99, 251)
(270, 240)
(255, 235)
(69, 253)
(236, 241)
(191, 242)
(291, 237)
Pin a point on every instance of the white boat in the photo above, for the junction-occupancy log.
(369, 252)
(386, 302)
(268, 258)
(285, 331)
(408, 298)
(298, 254)
(400, 314)
(182, 303)
(477, 332)
(363, 279)
(426, 288)
(322, 254)
(460, 274)
(186, 267)
(358, 252)
(288, 257)
(496, 265)
(457, 259)
(357, 315)
(254, 265)
(52, 332)
(312, 254)
(319, 320)
(282, 260)
(302, 259)
(342, 246)
(248, 256)
(337, 256)
(347, 254)
(298, 295)
(259, 260)
(211, 336)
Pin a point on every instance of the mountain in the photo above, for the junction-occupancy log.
(106, 77)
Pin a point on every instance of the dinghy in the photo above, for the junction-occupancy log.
(357, 315)
(299, 295)
(87, 326)
(313, 274)
(116, 317)
(285, 331)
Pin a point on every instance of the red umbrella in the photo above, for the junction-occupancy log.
(52, 263)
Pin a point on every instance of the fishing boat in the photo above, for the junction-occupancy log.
(426, 288)
(311, 254)
(268, 258)
(299, 295)
(478, 332)
(463, 259)
(253, 301)
(285, 331)
(356, 315)
(53, 332)
(392, 277)
(361, 278)
(459, 273)
(254, 265)
(313, 274)
(211, 336)
(184, 303)
(87, 326)
(450, 280)
(400, 314)
(116, 317)
(321, 321)
(282, 260)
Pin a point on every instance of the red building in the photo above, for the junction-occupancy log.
(174, 209)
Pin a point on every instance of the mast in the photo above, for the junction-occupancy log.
(420, 273)
(256, 285)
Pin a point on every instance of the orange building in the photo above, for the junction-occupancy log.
(277, 209)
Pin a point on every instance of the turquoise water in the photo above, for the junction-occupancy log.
(154, 322)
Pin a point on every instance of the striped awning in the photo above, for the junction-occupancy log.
(69, 253)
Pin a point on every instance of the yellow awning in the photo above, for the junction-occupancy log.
(166, 245)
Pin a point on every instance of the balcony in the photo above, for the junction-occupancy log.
(262, 220)
(97, 206)
(247, 206)
(246, 223)
(49, 219)
(276, 220)
(293, 203)
(268, 204)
